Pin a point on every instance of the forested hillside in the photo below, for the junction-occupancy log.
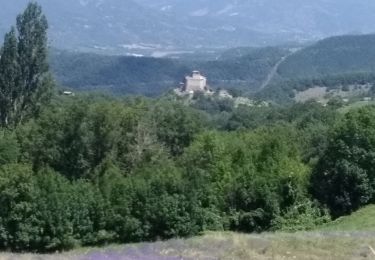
(116, 74)
(155, 76)
(332, 56)
(341, 63)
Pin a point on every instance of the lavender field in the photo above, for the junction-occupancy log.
(315, 245)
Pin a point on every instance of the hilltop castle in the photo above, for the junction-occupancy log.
(195, 83)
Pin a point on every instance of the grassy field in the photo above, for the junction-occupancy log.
(346, 238)
(354, 105)
(362, 220)
(317, 245)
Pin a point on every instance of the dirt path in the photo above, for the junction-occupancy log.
(273, 71)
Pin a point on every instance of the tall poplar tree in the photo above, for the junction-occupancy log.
(25, 81)
(9, 76)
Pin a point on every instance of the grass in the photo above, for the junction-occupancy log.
(228, 246)
(349, 238)
(355, 105)
(362, 220)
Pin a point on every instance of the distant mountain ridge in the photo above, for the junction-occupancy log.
(147, 26)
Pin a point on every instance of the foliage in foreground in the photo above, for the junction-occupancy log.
(91, 170)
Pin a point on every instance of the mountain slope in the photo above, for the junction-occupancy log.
(125, 26)
(332, 56)
(94, 23)
(146, 26)
(339, 66)
(300, 17)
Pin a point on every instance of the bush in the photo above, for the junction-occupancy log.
(301, 216)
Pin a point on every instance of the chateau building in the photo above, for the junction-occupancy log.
(195, 83)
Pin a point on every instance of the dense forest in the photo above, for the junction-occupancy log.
(332, 56)
(284, 91)
(95, 169)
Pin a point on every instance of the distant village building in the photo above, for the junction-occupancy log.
(367, 99)
(195, 83)
(68, 93)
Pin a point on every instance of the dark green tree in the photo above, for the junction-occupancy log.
(9, 148)
(9, 77)
(18, 197)
(176, 125)
(35, 79)
(344, 178)
(25, 81)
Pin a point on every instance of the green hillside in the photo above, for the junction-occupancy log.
(361, 220)
(153, 76)
(332, 56)
(337, 63)
(115, 74)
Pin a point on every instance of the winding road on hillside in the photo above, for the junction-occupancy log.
(273, 71)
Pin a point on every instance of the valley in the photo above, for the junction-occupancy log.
(340, 65)
(156, 76)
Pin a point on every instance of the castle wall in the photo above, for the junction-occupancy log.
(195, 83)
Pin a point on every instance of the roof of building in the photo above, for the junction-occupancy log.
(196, 75)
